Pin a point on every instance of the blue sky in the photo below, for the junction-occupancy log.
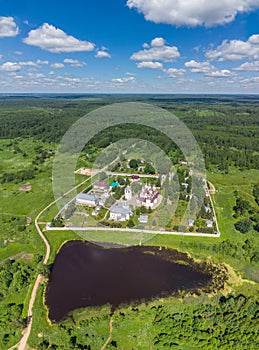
(166, 46)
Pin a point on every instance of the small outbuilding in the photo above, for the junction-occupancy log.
(143, 219)
(101, 186)
(209, 223)
(190, 222)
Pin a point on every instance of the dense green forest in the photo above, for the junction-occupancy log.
(227, 132)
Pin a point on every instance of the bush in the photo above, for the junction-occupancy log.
(244, 225)
(133, 163)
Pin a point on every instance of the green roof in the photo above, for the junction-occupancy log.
(114, 184)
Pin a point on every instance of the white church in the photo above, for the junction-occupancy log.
(128, 193)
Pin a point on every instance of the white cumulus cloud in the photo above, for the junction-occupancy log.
(235, 50)
(123, 80)
(249, 66)
(8, 27)
(192, 12)
(28, 64)
(57, 65)
(52, 39)
(102, 54)
(40, 62)
(254, 80)
(224, 73)
(150, 65)
(15, 66)
(74, 63)
(36, 75)
(157, 52)
(158, 42)
(199, 67)
(174, 72)
(10, 67)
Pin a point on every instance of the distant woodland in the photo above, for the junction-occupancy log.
(227, 132)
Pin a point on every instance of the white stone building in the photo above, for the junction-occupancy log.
(120, 212)
(87, 199)
(128, 193)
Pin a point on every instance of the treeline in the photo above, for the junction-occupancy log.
(249, 214)
(124, 131)
(229, 323)
(40, 155)
(21, 175)
(45, 120)
(247, 251)
(15, 278)
(225, 151)
(227, 132)
(222, 322)
(256, 193)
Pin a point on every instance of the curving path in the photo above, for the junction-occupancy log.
(212, 188)
(110, 335)
(21, 345)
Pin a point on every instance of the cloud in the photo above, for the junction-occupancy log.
(254, 80)
(15, 66)
(174, 72)
(36, 75)
(10, 67)
(249, 66)
(158, 52)
(32, 63)
(102, 54)
(199, 67)
(192, 12)
(224, 73)
(150, 65)
(235, 50)
(28, 64)
(57, 65)
(74, 63)
(158, 42)
(52, 39)
(207, 69)
(40, 62)
(123, 80)
(8, 27)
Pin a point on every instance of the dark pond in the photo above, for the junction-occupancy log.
(85, 274)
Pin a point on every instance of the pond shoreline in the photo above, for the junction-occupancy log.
(148, 272)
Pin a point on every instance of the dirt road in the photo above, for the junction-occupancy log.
(26, 333)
